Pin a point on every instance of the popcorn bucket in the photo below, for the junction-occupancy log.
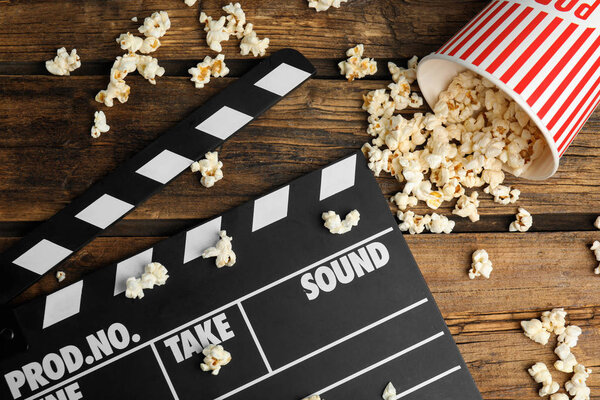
(544, 54)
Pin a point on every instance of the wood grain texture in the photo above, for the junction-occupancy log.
(47, 158)
(390, 28)
(46, 148)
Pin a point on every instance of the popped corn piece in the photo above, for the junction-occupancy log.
(466, 207)
(210, 168)
(440, 224)
(190, 3)
(156, 25)
(60, 276)
(148, 67)
(480, 265)
(554, 321)
(597, 223)
(134, 288)
(154, 274)
(215, 357)
(149, 45)
(595, 247)
(100, 125)
(356, 67)
(434, 199)
(576, 386)
(117, 88)
(410, 73)
(129, 42)
(223, 251)
(570, 335)
(236, 19)
(215, 31)
(252, 44)
(313, 397)
(64, 63)
(403, 200)
(567, 359)
(413, 223)
(389, 393)
(535, 331)
(134, 19)
(323, 5)
(503, 194)
(523, 222)
(334, 223)
(202, 72)
(559, 396)
(539, 372)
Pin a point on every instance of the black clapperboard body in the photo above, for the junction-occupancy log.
(303, 311)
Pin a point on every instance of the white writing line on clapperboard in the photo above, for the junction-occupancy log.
(209, 314)
(324, 348)
(380, 363)
(164, 371)
(427, 382)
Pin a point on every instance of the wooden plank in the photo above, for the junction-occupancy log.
(47, 156)
(532, 272)
(390, 28)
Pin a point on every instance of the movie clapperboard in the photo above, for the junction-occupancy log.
(302, 311)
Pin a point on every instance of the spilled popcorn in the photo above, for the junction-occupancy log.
(439, 224)
(503, 194)
(190, 3)
(60, 276)
(215, 31)
(223, 251)
(156, 25)
(576, 386)
(559, 396)
(389, 393)
(236, 19)
(252, 44)
(539, 372)
(475, 133)
(534, 330)
(202, 72)
(523, 222)
(595, 247)
(64, 63)
(356, 67)
(480, 265)
(154, 274)
(324, 5)
(100, 125)
(413, 223)
(215, 357)
(134, 288)
(210, 168)
(554, 321)
(153, 28)
(334, 223)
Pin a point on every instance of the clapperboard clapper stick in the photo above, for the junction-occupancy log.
(302, 311)
(148, 171)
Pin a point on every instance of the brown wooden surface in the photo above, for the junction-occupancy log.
(47, 158)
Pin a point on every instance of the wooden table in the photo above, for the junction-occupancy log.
(47, 158)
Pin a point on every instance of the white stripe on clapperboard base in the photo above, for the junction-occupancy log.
(209, 314)
(164, 371)
(258, 346)
(324, 348)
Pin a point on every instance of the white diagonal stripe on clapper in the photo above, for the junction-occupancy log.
(62, 304)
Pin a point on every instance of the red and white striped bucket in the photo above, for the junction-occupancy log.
(545, 54)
